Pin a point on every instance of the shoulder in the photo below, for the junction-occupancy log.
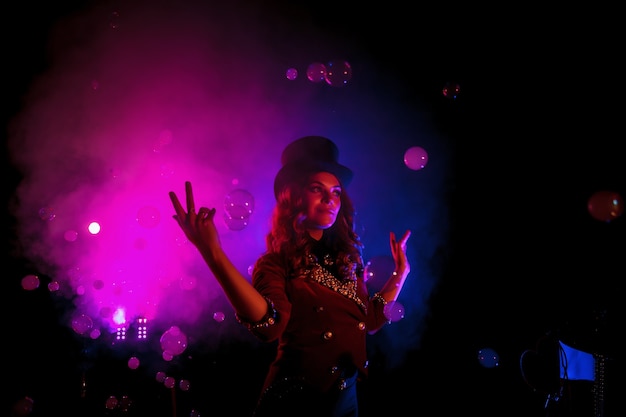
(270, 257)
(271, 261)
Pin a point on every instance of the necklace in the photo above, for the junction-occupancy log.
(345, 287)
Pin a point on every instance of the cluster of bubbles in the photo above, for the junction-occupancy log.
(122, 404)
(170, 382)
(173, 342)
(338, 73)
(335, 73)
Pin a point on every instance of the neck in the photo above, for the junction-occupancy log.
(316, 233)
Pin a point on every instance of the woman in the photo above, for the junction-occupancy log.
(307, 290)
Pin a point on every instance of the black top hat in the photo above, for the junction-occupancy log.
(308, 155)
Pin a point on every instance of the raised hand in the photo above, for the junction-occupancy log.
(198, 228)
(398, 252)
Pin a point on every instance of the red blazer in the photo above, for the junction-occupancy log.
(321, 323)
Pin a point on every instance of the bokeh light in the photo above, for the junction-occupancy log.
(94, 228)
(219, 316)
(47, 213)
(394, 311)
(451, 90)
(378, 270)
(184, 384)
(235, 223)
(30, 282)
(111, 402)
(239, 204)
(22, 407)
(316, 72)
(70, 235)
(488, 358)
(82, 324)
(291, 74)
(148, 217)
(605, 205)
(169, 382)
(173, 341)
(133, 362)
(415, 158)
(338, 73)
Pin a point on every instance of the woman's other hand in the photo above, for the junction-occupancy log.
(398, 252)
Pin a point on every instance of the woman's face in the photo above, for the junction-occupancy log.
(322, 197)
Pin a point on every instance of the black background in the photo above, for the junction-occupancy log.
(541, 109)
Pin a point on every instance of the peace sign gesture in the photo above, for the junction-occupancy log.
(198, 228)
(398, 252)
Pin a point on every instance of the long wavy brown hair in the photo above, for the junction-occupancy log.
(289, 238)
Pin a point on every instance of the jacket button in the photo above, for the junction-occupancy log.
(361, 325)
(328, 335)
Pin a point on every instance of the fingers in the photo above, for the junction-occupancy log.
(178, 207)
(190, 203)
(405, 237)
(189, 198)
(399, 244)
(204, 213)
(176, 203)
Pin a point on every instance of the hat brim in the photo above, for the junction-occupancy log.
(294, 171)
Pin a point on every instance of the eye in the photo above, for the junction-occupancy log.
(337, 192)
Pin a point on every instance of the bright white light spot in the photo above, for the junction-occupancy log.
(119, 317)
(94, 228)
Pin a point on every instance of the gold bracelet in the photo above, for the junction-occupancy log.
(268, 320)
(379, 298)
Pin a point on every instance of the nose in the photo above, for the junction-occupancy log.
(328, 198)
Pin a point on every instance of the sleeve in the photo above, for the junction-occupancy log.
(376, 317)
(269, 277)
